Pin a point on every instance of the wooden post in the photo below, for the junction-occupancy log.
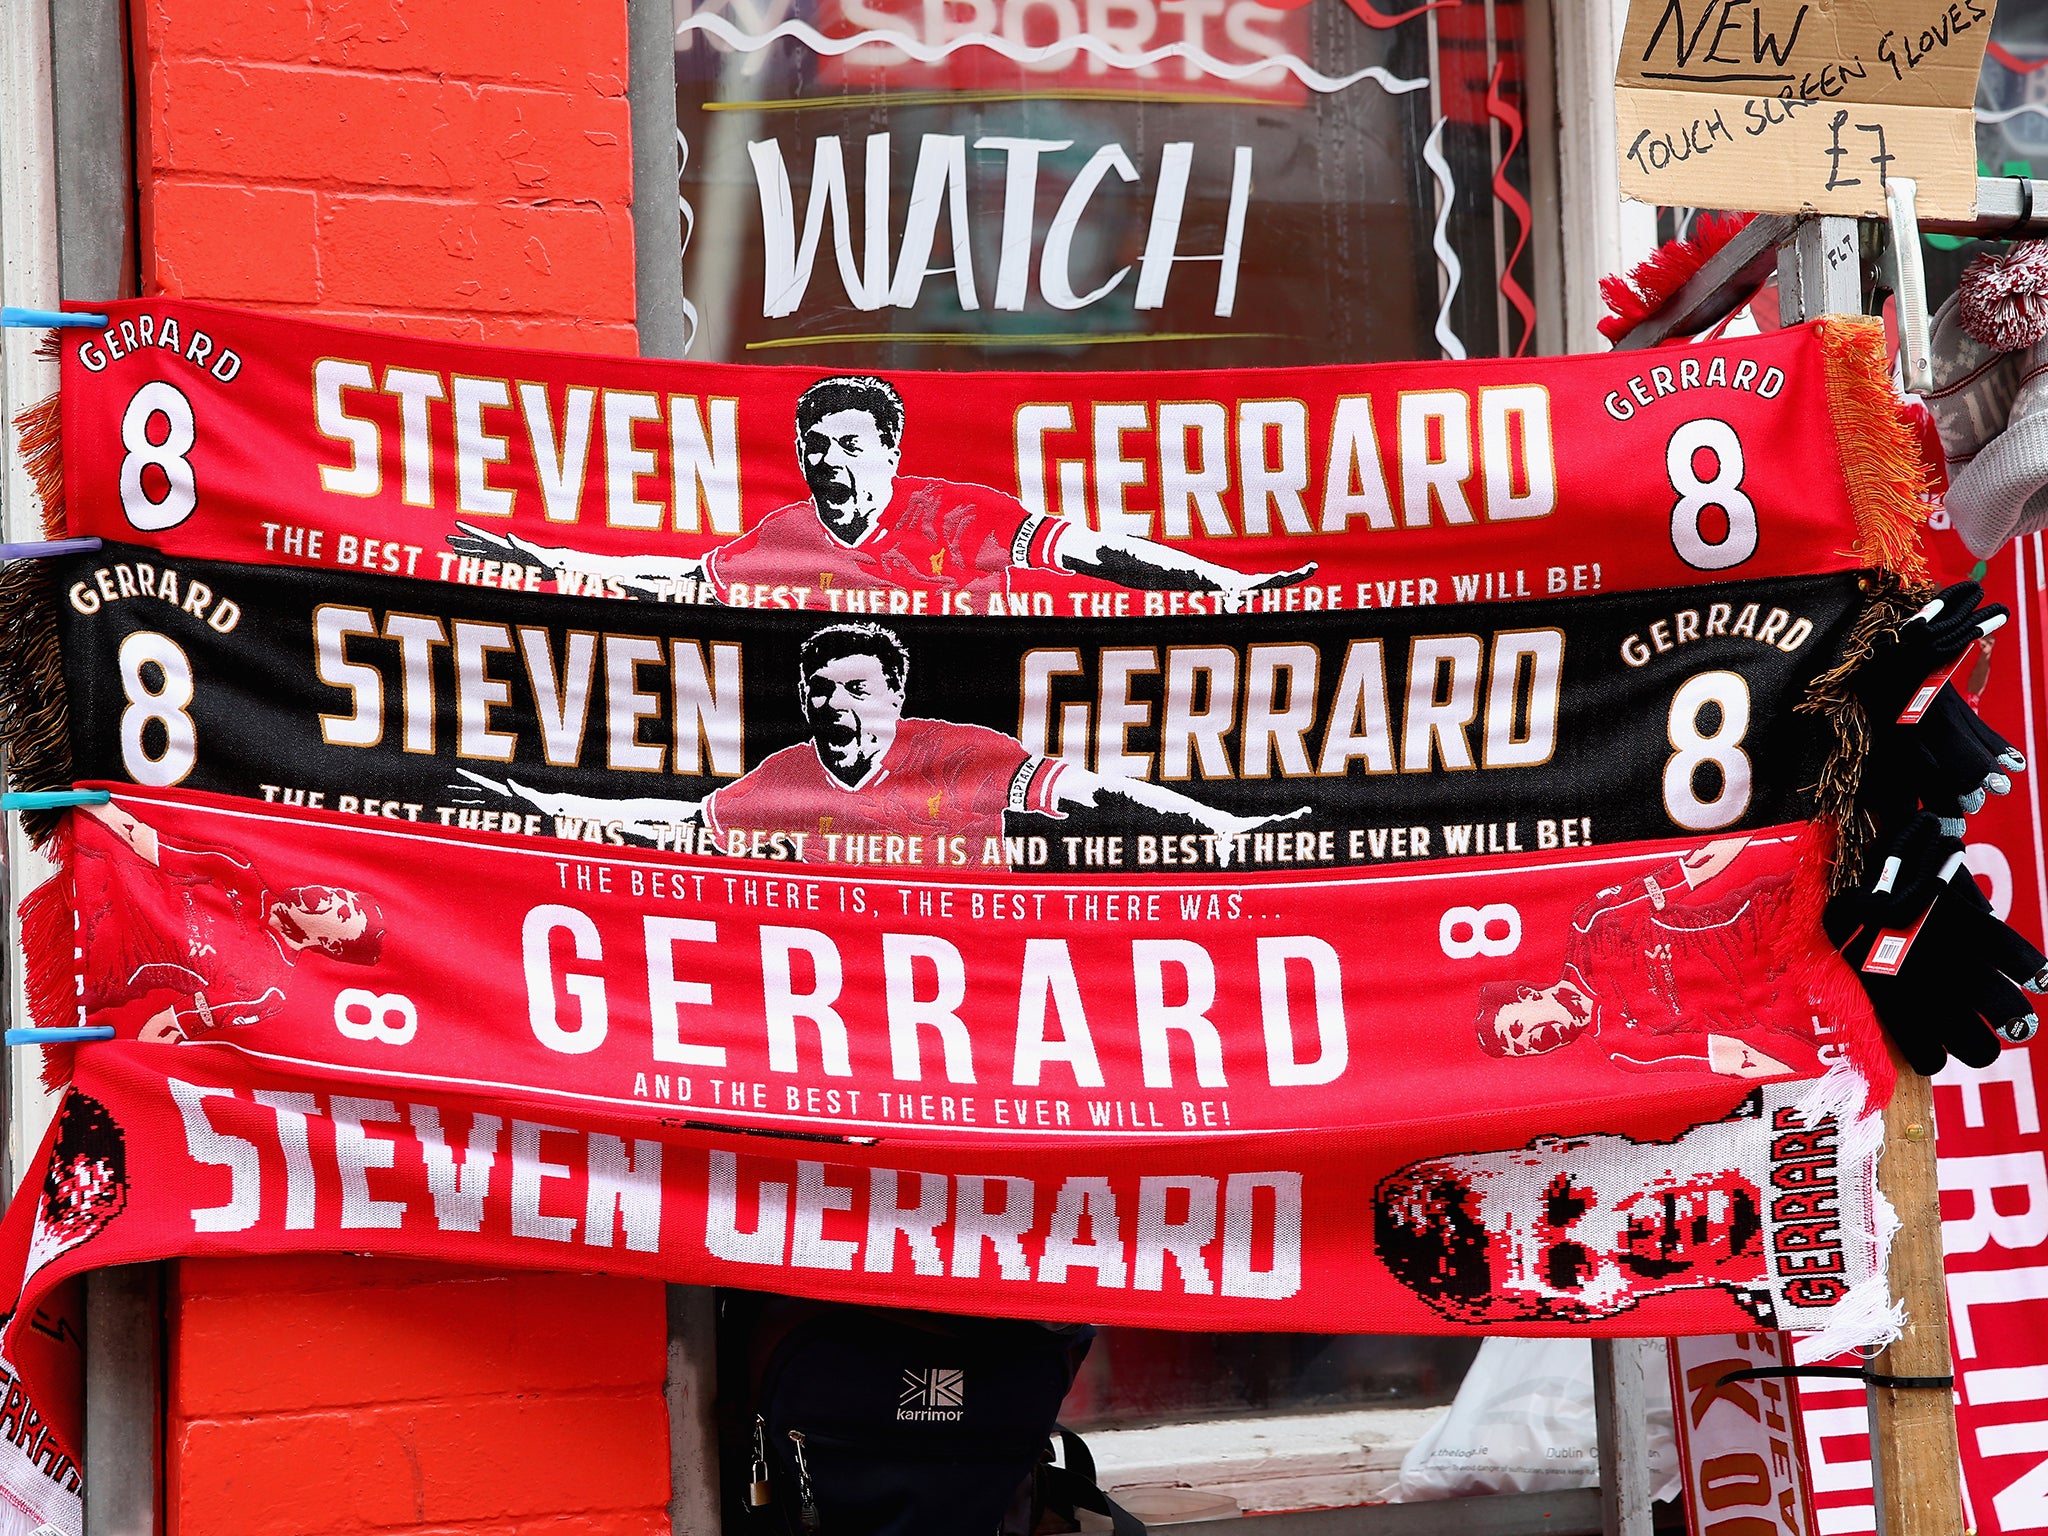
(1622, 1371)
(692, 1391)
(1916, 1462)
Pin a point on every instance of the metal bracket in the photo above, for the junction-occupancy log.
(1726, 281)
(1901, 271)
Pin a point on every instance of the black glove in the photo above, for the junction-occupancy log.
(1948, 762)
(1902, 661)
(1956, 989)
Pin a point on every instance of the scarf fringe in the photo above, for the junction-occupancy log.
(1654, 281)
(42, 453)
(1889, 479)
(17, 1521)
(35, 712)
(50, 955)
(1865, 1072)
(1867, 1319)
(1890, 603)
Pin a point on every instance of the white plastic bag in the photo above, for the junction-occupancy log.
(1523, 1422)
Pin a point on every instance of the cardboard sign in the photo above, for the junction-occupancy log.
(1782, 105)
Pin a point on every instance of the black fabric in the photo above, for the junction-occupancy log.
(263, 722)
(1902, 660)
(1958, 988)
(1948, 760)
(876, 1422)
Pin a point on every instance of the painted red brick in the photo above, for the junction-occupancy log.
(318, 1395)
(327, 127)
(465, 160)
(539, 41)
(281, 31)
(449, 168)
(269, 123)
(456, 255)
(616, 338)
(388, 1468)
(421, 1339)
(542, 41)
(235, 243)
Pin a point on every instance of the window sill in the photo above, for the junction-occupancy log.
(1293, 1461)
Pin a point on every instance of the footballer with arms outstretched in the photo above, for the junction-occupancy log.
(868, 769)
(866, 527)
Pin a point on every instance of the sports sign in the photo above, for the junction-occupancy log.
(216, 434)
(1741, 1444)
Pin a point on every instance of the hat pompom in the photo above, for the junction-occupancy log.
(2003, 300)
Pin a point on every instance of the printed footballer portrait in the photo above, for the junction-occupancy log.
(869, 769)
(1570, 1229)
(1668, 971)
(865, 526)
(185, 941)
(85, 1185)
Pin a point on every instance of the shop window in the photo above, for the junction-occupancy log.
(1137, 1376)
(2012, 126)
(1186, 183)
(1192, 184)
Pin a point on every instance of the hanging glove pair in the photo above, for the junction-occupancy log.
(1944, 975)
(1927, 747)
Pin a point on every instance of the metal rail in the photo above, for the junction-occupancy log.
(2006, 205)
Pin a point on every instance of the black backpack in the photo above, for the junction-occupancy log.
(859, 1421)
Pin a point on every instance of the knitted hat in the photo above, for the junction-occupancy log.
(2002, 492)
(1999, 490)
(1974, 386)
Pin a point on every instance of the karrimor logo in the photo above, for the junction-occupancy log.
(936, 1396)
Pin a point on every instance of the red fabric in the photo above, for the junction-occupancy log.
(189, 933)
(935, 535)
(938, 780)
(300, 454)
(1655, 281)
(1677, 968)
(1165, 1103)
(227, 1154)
(785, 977)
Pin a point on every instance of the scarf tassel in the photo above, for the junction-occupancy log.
(42, 453)
(50, 955)
(1831, 696)
(35, 713)
(1890, 481)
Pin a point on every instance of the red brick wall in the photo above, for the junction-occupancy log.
(316, 1396)
(454, 167)
(458, 168)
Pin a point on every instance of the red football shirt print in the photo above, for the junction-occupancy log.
(189, 933)
(1661, 960)
(938, 779)
(934, 536)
